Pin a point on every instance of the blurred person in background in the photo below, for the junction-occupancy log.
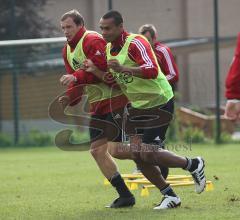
(163, 53)
(232, 84)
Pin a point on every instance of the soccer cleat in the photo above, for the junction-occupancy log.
(168, 202)
(122, 202)
(199, 176)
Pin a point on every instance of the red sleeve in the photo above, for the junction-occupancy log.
(73, 92)
(140, 52)
(84, 77)
(94, 47)
(167, 63)
(233, 77)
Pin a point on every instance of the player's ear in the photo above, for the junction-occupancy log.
(121, 25)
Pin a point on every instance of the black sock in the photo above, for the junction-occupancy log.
(118, 182)
(192, 164)
(167, 190)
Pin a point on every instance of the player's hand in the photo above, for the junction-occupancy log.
(89, 66)
(232, 111)
(64, 101)
(115, 66)
(67, 79)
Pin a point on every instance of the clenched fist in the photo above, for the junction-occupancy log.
(64, 101)
(115, 66)
(232, 110)
(67, 79)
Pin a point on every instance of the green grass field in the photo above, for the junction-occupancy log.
(47, 183)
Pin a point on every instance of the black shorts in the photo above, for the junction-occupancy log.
(157, 135)
(154, 131)
(151, 124)
(107, 126)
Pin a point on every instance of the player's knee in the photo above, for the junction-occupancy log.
(120, 152)
(97, 152)
(98, 148)
(147, 156)
(113, 151)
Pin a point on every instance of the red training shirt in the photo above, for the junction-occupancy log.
(233, 77)
(166, 62)
(94, 49)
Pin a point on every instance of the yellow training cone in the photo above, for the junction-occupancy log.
(144, 192)
(106, 182)
(209, 186)
(133, 186)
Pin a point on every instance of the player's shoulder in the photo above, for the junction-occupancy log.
(140, 38)
(94, 39)
(237, 50)
(64, 49)
(92, 35)
(65, 46)
(158, 46)
(140, 41)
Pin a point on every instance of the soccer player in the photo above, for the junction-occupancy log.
(150, 95)
(168, 67)
(233, 86)
(163, 54)
(83, 44)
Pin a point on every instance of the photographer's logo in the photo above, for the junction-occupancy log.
(124, 77)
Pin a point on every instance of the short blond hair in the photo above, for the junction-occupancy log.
(75, 15)
(148, 28)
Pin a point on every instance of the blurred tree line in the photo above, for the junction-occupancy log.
(22, 19)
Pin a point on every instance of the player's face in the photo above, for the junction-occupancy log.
(110, 31)
(149, 37)
(69, 28)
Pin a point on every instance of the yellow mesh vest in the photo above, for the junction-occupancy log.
(95, 92)
(142, 93)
